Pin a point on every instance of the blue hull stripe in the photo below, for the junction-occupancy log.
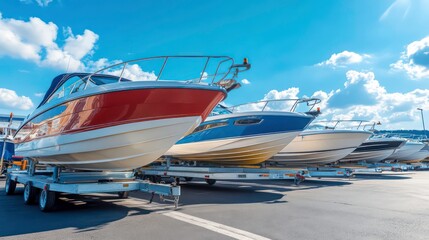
(270, 124)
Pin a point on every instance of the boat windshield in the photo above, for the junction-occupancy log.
(65, 85)
(220, 110)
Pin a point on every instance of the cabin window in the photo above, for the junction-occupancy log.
(73, 85)
(248, 121)
(210, 125)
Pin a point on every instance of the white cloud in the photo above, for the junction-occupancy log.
(134, 72)
(39, 94)
(9, 99)
(415, 60)
(363, 98)
(35, 40)
(371, 101)
(245, 81)
(81, 45)
(344, 58)
(290, 93)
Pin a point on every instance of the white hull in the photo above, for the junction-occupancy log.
(369, 157)
(405, 151)
(122, 147)
(240, 150)
(320, 147)
(418, 156)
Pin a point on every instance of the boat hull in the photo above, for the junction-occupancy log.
(240, 139)
(121, 147)
(406, 151)
(118, 130)
(320, 147)
(417, 157)
(240, 151)
(372, 151)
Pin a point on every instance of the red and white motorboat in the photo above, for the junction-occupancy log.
(104, 122)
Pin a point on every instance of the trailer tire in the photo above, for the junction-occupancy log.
(47, 200)
(30, 194)
(123, 194)
(10, 186)
(211, 182)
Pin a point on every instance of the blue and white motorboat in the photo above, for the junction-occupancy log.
(231, 136)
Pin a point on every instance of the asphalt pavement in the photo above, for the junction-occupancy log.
(373, 206)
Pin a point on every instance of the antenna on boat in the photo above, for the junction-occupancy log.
(68, 64)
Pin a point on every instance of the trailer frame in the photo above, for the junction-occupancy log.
(45, 185)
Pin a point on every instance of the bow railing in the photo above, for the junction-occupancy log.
(352, 124)
(216, 68)
(276, 105)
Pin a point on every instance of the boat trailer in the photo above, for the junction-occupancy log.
(46, 185)
(213, 173)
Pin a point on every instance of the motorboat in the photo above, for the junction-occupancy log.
(418, 156)
(409, 152)
(374, 150)
(238, 136)
(320, 145)
(8, 127)
(110, 120)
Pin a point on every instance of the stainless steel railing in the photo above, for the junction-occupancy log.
(221, 60)
(291, 104)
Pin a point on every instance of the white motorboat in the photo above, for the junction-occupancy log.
(409, 152)
(374, 150)
(321, 146)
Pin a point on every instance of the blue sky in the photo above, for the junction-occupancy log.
(365, 59)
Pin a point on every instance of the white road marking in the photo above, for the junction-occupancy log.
(214, 226)
(210, 225)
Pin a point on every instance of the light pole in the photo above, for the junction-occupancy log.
(423, 120)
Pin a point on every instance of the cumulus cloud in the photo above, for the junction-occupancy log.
(374, 103)
(35, 40)
(415, 60)
(80, 45)
(245, 81)
(39, 94)
(9, 99)
(363, 98)
(134, 72)
(344, 58)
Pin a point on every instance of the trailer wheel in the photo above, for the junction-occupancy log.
(210, 181)
(30, 194)
(188, 179)
(47, 200)
(10, 186)
(123, 194)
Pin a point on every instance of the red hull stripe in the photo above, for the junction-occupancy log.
(122, 107)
